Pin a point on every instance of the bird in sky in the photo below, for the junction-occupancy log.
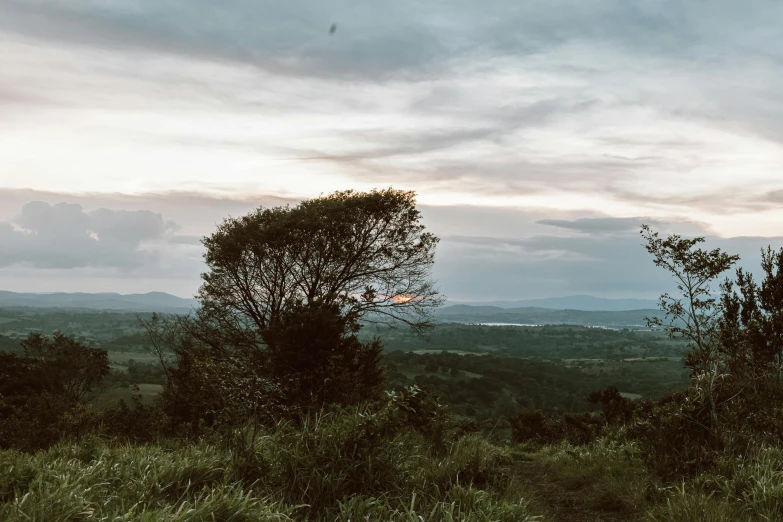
(333, 28)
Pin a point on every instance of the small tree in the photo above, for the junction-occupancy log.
(693, 315)
(43, 393)
(69, 367)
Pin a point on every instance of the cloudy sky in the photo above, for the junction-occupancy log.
(538, 134)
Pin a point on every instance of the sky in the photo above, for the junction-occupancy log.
(538, 135)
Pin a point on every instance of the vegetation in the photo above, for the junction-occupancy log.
(272, 403)
(490, 387)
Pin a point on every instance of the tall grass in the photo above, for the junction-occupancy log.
(741, 488)
(342, 467)
(608, 476)
(330, 468)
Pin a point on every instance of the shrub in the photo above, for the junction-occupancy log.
(673, 435)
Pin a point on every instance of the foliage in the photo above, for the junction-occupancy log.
(673, 435)
(551, 341)
(280, 307)
(617, 409)
(325, 469)
(137, 422)
(751, 328)
(536, 426)
(68, 367)
(735, 348)
(367, 253)
(312, 359)
(315, 358)
(694, 315)
(42, 393)
(491, 387)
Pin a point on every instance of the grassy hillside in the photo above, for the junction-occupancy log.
(491, 386)
(334, 469)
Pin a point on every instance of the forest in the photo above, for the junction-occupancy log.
(317, 382)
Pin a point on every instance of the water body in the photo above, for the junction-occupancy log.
(504, 324)
(523, 324)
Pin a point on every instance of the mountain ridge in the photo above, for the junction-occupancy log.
(147, 302)
(571, 302)
(531, 315)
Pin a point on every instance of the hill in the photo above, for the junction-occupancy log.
(573, 302)
(149, 302)
(535, 316)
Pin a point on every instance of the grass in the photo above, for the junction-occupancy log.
(601, 481)
(335, 467)
(327, 469)
(93, 480)
(745, 488)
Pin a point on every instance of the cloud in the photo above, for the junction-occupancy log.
(99, 242)
(614, 225)
(633, 109)
(520, 124)
(284, 39)
(63, 235)
(488, 268)
(598, 225)
(386, 39)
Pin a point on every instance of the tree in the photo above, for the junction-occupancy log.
(751, 328)
(317, 359)
(694, 315)
(42, 394)
(367, 253)
(283, 299)
(70, 368)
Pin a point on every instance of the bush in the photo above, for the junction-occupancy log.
(673, 435)
(43, 394)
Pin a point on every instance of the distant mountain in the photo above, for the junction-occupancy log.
(150, 302)
(573, 302)
(537, 315)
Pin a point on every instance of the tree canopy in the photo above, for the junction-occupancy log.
(284, 296)
(365, 252)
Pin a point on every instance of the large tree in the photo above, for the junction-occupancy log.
(283, 299)
(365, 252)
